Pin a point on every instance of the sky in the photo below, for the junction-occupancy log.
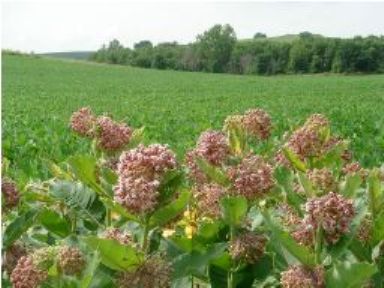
(54, 26)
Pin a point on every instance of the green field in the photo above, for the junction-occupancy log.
(40, 94)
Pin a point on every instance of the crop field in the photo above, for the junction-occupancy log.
(39, 95)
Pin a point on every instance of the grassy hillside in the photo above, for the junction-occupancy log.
(40, 94)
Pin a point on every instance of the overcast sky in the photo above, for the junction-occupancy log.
(77, 25)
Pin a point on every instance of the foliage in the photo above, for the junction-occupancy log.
(283, 229)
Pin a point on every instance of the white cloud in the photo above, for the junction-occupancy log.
(73, 25)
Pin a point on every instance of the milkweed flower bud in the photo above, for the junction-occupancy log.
(11, 195)
(83, 122)
(257, 122)
(112, 136)
(247, 247)
(154, 272)
(364, 232)
(26, 274)
(288, 216)
(12, 256)
(304, 233)
(71, 260)
(140, 171)
(317, 120)
(252, 178)
(119, 236)
(333, 212)
(208, 199)
(300, 277)
(322, 179)
(213, 147)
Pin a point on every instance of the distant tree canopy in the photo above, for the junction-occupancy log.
(218, 50)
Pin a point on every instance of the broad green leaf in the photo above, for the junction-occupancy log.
(300, 252)
(375, 192)
(294, 160)
(351, 185)
(170, 183)
(349, 275)
(170, 211)
(307, 185)
(84, 167)
(18, 226)
(213, 173)
(233, 209)
(113, 254)
(55, 223)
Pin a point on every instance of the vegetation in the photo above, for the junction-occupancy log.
(40, 94)
(243, 210)
(218, 50)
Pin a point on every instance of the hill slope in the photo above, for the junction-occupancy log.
(39, 95)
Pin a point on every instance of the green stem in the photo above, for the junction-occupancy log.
(144, 245)
(230, 273)
(318, 244)
(108, 217)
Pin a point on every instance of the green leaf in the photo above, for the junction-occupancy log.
(294, 160)
(351, 185)
(84, 167)
(170, 183)
(89, 273)
(375, 193)
(55, 223)
(349, 275)
(170, 211)
(301, 253)
(234, 209)
(213, 173)
(307, 185)
(113, 254)
(18, 226)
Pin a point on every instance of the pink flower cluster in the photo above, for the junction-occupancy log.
(71, 260)
(153, 273)
(140, 171)
(112, 136)
(354, 168)
(257, 123)
(300, 277)
(213, 147)
(10, 193)
(333, 212)
(83, 122)
(322, 179)
(12, 256)
(208, 199)
(252, 178)
(27, 275)
(247, 247)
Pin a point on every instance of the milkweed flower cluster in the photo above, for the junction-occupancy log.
(332, 212)
(208, 199)
(213, 147)
(71, 260)
(27, 275)
(322, 179)
(252, 178)
(11, 195)
(110, 135)
(153, 272)
(355, 168)
(247, 247)
(140, 171)
(257, 123)
(45, 257)
(83, 122)
(300, 277)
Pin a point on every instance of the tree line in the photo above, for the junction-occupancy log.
(218, 50)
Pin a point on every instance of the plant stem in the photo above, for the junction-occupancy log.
(230, 273)
(144, 245)
(108, 217)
